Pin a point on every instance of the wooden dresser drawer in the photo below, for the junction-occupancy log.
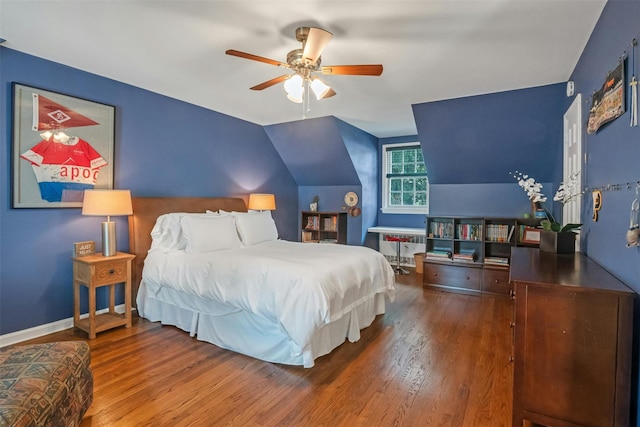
(452, 276)
(495, 281)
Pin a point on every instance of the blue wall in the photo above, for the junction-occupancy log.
(164, 147)
(328, 158)
(614, 151)
(481, 139)
(613, 155)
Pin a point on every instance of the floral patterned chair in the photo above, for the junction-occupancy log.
(45, 384)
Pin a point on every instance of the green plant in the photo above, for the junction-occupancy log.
(550, 224)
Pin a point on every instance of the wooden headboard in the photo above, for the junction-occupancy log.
(147, 209)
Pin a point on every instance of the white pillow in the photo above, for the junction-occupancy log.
(167, 231)
(256, 227)
(210, 233)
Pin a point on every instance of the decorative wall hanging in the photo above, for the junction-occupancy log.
(608, 103)
(633, 234)
(597, 203)
(61, 146)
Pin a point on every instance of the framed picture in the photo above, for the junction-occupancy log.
(531, 235)
(61, 146)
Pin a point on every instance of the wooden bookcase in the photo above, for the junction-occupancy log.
(472, 254)
(324, 227)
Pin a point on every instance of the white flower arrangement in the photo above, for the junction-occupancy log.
(565, 193)
(530, 186)
(568, 190)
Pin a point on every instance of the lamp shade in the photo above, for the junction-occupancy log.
(262, 202)
(107, 202)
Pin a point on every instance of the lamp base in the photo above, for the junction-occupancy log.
(108, 238)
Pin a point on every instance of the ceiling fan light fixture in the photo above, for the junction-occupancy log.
(294, 88)
(320, 89)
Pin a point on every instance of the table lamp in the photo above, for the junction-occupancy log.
(262, 202)
(107, 203)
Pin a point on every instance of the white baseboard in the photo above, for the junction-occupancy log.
(49, 328)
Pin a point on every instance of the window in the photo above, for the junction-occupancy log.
(405, 185)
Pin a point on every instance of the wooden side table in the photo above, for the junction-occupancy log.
(94, 271)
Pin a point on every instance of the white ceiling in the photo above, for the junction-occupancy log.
(430, 49)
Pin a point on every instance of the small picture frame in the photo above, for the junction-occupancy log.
(85, 248)
(531, 235)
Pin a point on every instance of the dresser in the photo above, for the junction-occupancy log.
(572, 341)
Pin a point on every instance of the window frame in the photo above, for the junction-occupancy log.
(385, 184)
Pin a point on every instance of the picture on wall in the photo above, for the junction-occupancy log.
(62, 145)
(607, 104)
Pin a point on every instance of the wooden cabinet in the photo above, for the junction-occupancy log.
(324, 227)
(573, 337)
(475, 251)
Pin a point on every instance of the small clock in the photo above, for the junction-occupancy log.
(351, 199)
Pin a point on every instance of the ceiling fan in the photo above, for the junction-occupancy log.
(306, 61)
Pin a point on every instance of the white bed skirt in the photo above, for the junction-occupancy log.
(246, 333)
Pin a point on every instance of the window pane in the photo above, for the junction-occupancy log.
(395, 199)
(396, 184)
(410, 156)
(421, 184)
(407, 199)
(409, 168)
(407, 184)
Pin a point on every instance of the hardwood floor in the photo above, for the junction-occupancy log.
(434, 359)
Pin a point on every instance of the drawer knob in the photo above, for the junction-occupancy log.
(512, 324)
(112, 271)
(496, 281)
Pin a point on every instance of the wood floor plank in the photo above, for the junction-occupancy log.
(434, 359)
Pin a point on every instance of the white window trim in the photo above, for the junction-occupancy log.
(417, 210)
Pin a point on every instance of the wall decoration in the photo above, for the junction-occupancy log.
(597, 203)
(62, 145)
(608, 103)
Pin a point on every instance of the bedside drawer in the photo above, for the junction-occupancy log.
(102, 273)
(110, 272)
(452, 276)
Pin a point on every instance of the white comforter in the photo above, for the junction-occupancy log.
(300, 286)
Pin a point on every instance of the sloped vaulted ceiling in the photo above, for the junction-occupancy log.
(314, 152)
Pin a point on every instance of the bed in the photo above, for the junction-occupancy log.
(274, 300)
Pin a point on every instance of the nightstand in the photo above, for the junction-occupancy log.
(94, 271)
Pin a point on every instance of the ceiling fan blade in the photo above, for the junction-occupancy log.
(317, 40)
(245, 55)
(271, 82)
(359, 70)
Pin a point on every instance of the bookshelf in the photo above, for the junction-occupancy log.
(324, 227)
(472, 254)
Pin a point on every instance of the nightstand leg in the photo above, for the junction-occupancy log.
(92, 312)
(76, 302)
(112, 299)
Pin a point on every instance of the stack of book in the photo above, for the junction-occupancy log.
(496, 260)
(438, 254)
(466, 255)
